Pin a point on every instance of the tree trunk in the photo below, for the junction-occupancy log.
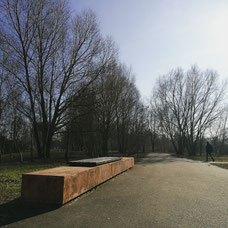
(20, 155)
(48, 148)
(67, 147)
(201, 146)
(105, 148)
(37, 140)
(105, 144)
(31, 149)
(152, 142)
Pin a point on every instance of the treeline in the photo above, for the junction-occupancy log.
(61, 81)
(107, 115)
(62, 85)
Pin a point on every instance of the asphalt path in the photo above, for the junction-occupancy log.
(159, 191)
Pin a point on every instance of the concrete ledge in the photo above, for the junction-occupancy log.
(62, 184)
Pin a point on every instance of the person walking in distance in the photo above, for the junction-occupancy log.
(209, 150)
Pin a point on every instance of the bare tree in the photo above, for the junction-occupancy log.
(169, 107)
(187, 104)
(138, 128)
(218, 132)
(127, 100)
(110, 86)
(51, 55)
(153, 125)
(90, 113)
(204, 98)
(107, 111)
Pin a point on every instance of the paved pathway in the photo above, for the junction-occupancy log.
(160, 191)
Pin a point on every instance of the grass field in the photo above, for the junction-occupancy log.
(10, 178)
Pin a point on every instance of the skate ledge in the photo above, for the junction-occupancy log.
(62, 184)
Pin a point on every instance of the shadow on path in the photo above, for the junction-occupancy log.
(17, 210)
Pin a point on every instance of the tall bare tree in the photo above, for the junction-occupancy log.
(51, 54)
(187, 104)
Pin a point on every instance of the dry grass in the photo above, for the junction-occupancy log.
(10, 178)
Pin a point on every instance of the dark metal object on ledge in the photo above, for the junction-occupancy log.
(94, 161)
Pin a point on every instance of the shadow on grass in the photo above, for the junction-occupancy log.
(17, 210)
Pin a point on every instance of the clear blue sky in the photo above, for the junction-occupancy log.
(155, 36)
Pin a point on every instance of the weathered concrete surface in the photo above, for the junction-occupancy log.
(161, 191)
(62, 184)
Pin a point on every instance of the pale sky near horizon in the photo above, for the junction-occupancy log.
(156, 36)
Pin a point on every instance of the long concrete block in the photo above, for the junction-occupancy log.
(62, 184)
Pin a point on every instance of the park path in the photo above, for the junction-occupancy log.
(160, 191)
